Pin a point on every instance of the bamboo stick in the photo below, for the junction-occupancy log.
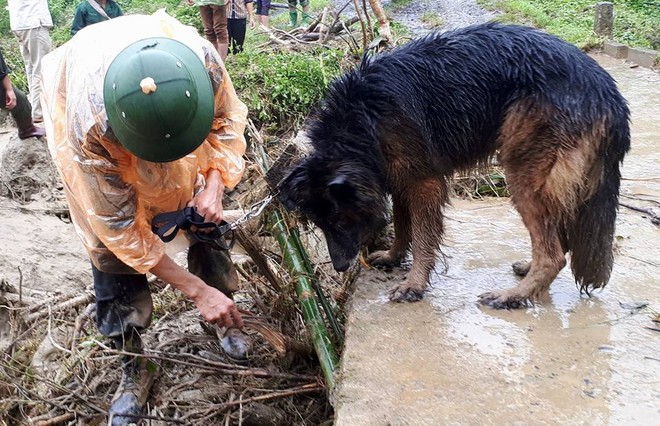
(294, 258)
(306, 297)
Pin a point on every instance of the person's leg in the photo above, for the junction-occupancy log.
(293, 14)
(220, 29)
(236, 28)
(231, 31)
(35, 43)
(22, 115)
(123, 310)
(264, 18)
(305, 15)
(206, 13)
(123, 302)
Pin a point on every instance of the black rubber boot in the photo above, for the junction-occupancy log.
(137, 377)
(22, 114)
(214, 267)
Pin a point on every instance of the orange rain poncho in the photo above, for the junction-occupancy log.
(112, 194)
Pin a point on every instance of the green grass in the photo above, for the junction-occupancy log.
(280, 91)
(278, 88)
(636, 22)
(432, 20)
(281, 88)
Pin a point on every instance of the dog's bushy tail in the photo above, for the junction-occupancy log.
(590, 234)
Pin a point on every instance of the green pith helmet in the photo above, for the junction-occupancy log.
(159, 99)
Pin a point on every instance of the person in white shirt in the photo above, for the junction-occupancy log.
(30, 21)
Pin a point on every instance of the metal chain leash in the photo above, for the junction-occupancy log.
(255, 210)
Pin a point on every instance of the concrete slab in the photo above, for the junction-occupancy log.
(646, 58)
(616, 50)
(570, 360)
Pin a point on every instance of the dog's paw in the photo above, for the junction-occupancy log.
(521, 267)
(405, 293)
(382, 258)
(503, 301)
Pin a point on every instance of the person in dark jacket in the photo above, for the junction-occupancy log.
(91, 12)
(18, 105)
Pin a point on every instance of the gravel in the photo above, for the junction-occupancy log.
(452, 13)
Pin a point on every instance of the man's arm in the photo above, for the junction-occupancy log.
(215, 307)
(208, 202)
(10, 97)
(250, 11)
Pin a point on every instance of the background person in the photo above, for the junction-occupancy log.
(237, 23)
(90, 12)
(293, 12)
(263, 9)
(214, 21)
(18, 105)
(30, 21)
(149, 124)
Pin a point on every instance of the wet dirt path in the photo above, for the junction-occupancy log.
(571, 360)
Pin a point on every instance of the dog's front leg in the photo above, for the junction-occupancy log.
(402, 237)
(426, 201)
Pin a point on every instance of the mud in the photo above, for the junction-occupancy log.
(569, 360)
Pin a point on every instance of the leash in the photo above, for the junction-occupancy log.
(167, 225)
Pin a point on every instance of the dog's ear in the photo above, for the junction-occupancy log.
(341, 189)
(293, 187)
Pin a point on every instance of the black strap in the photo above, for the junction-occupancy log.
(167, 225)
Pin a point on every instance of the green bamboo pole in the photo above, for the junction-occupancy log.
(296, 260)
(296, 264)
(336, 328)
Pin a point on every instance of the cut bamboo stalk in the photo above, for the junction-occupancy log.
(296, 264)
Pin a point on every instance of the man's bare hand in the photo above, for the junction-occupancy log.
(216, 308)
(10, 99)
(208, 202)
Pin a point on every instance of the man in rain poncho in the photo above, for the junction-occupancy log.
(142, 119)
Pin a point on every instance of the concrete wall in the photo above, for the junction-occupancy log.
(646, 58)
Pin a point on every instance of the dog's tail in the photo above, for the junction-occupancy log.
(590, 233)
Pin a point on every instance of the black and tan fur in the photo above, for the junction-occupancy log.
(404, 122)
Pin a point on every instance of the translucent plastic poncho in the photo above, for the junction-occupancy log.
(112, 194)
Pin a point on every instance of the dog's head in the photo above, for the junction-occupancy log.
(344, 199)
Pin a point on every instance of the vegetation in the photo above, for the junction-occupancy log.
(281, 88)
(432, 20)
(636, 22)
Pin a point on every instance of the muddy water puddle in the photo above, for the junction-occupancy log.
(570, 360)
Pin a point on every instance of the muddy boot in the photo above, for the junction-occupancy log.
(136, 381)
(293, 19)
(22, 114)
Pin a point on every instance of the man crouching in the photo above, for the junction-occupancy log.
(142, 119)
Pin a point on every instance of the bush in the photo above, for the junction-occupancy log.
(280, 88)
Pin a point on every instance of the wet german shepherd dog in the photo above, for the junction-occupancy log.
(402, 123)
